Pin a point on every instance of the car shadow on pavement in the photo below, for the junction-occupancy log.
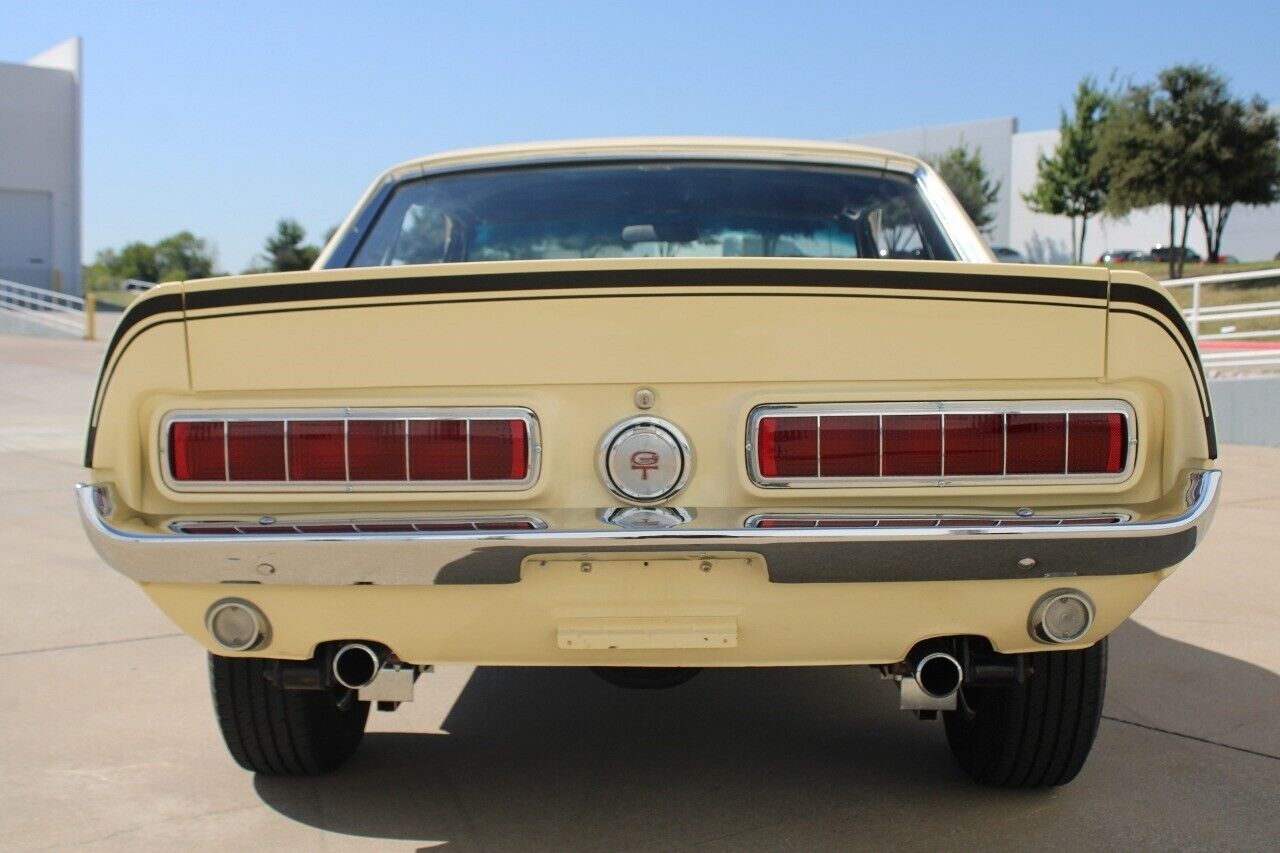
(553, 758)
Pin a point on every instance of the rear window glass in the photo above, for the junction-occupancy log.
(654, 209)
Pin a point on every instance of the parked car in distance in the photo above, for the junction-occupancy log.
(1121, 256)
(1160, 254)
(647, 406)
(1006, 255)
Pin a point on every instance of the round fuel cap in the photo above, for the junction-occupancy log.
(645, 459)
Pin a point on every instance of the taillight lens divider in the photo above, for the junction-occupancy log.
(1004, 409)
(226, 450)
(345, 415)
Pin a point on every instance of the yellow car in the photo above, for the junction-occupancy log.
(648, 406)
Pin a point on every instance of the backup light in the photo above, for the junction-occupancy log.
(1061, 616)
(237, 625)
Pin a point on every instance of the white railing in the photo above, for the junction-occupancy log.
(60, 311)
(1218, 318)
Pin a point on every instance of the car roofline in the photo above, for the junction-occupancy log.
(798, 150)
(745, 149)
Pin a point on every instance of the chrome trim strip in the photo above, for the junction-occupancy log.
(924, 552)
(533, 439)
(287, 472)
(288, 526)
(955, 224)
(1004, 444)
(933, 520)
(942, 447)
(341, 248)
(944, 407)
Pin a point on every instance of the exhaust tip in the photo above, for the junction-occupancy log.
(355, 665)
(939, 675)
(237, 625)
(1061, 616)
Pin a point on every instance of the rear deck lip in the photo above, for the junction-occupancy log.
(487, 557)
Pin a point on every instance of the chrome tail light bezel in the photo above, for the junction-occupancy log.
(533, 448)
(943, 408)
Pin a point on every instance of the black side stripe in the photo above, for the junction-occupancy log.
(1183, 339)
(139, 312)
(111, 371)
(294, 309)
(229, 297)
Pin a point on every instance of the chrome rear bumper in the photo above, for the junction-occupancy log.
(912, 548)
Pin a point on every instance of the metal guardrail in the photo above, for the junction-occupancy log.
(1225, 346)
(60, 311)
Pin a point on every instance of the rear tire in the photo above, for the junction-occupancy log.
(646, 677)
(283, 732)
(1036, 734)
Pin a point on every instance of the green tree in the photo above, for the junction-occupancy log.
(967, 177)
(1158, 146)
(183, 256)
(285, 251)
(177, 257)
(1244, 167)
(1071, 183)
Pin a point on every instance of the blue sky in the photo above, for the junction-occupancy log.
(222, 117)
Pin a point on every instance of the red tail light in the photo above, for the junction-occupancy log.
(438, 450)
(493, 452)
(954, 441)
(255, 450)
(789, 447)
(851, 446)
(912, 445)
(1036, 444)
(376, 450)
(975, 445)
(317, 450)
(198, 451)
(1098, 443)
(498, 450)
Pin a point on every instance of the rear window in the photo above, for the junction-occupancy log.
(654, 209)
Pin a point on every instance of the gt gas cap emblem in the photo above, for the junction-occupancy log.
(645, 459)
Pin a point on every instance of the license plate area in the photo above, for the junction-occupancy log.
(622, 601)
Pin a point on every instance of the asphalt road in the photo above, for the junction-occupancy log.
(107, 737)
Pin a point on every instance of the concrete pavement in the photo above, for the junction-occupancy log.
(107, 737)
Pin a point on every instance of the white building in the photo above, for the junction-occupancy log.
(40, 169)
(1252, 233)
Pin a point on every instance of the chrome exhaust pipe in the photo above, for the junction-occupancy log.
(938, 675)
(356, 665)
